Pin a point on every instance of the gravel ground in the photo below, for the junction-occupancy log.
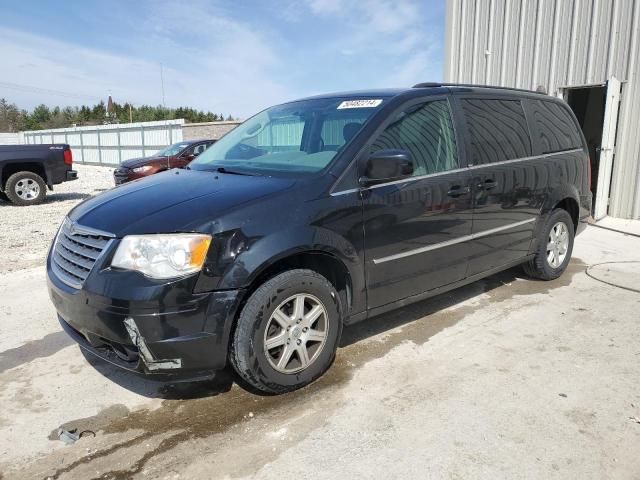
(27, 231)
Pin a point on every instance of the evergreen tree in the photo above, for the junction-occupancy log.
(13, 119)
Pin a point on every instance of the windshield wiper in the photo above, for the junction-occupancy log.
(233, 172)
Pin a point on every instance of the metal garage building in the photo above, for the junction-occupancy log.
(585, 51)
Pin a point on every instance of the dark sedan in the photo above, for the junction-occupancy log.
(178, 155)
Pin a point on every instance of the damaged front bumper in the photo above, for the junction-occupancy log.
(147, 356)
(154, 329)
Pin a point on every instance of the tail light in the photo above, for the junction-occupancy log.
(68, 156)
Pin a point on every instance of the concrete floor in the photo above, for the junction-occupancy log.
(631, 227)
(505, 378)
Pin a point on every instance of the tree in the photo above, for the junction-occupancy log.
(13, 119)
(99, 112)
(10, 117)
(40, 116)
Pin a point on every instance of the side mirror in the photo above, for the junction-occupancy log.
(387, 166)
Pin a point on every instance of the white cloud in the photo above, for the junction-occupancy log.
(395, 33)
(218, 58)
(227, 69)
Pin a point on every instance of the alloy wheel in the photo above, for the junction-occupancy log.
(27, 189)
(296, 333)
(557, 244)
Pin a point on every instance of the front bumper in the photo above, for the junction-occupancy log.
(158, 329)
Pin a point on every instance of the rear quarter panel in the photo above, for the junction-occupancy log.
(567, 171)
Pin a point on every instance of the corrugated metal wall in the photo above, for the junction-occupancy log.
(555, 44)
(112, 144)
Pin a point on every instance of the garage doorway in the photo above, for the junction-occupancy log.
(596, 108)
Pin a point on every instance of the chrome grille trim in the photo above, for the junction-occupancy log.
(75, 251)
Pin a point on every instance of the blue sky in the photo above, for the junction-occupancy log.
(226, 56)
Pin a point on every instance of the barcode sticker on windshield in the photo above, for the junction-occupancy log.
(360, 104)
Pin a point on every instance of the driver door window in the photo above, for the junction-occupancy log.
(426, 132)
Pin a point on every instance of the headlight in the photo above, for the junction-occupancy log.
(162, 256)
(142, 169)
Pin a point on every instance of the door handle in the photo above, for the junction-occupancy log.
(488, 184)
(458, 190)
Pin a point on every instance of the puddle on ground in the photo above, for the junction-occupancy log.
(195, 418)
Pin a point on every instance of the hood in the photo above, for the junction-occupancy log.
(173, 201)
(136, 162)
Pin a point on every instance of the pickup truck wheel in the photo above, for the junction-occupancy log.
(287, 333)
(555, 244)
(26, 188)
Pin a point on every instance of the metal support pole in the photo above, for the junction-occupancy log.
(119, 148)
(99, 149)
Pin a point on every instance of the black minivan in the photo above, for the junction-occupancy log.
(313, 215)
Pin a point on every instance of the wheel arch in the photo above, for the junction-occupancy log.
(571, 206)
(567, 197)
(327, 264)
(11, 168)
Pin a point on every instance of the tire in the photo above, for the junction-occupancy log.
(264, 370)
(542, 266)
(25, 188)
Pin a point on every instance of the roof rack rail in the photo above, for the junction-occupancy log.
(438, 84)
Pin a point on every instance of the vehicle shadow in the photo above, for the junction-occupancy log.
(220, 383)
(410, 313)
(353, 334)
(52, 198)
(62, 197)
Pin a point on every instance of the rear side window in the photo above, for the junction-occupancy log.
(426, 132)
(497, 129)
(556, 129)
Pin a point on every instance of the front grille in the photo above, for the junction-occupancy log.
(75, 251)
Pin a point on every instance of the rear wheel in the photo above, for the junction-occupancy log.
(555, 244)
(25, 188)
(287, 332)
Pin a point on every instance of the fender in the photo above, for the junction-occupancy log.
(247, 259)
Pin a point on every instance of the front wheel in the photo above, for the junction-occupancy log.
(555, 244)
(287, 333)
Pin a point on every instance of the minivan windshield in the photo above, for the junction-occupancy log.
(172, 150)
(299, 138)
